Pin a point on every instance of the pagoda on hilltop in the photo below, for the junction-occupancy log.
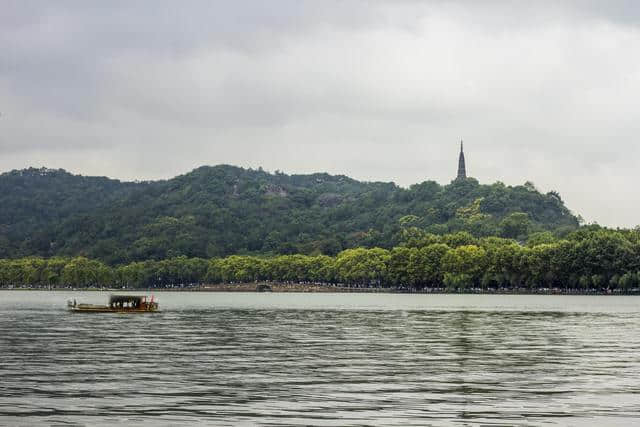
(462, 170)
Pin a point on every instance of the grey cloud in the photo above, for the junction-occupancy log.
(543, 91)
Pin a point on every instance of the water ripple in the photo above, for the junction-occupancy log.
(207, 360)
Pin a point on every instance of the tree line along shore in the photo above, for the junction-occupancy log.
(590, 260)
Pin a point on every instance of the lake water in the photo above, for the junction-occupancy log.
(321, 359)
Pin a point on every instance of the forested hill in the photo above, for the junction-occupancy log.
(222, 210)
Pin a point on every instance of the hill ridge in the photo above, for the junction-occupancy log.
(224, 209)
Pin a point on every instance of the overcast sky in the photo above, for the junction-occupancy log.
(541, 91)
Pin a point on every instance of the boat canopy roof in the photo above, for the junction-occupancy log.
(126, 298)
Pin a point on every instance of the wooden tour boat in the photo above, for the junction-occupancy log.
(117, 304)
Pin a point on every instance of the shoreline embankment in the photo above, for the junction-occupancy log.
(328, 288)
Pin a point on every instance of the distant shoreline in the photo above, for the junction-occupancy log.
(312, 288)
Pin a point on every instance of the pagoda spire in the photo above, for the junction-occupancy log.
(462, 171)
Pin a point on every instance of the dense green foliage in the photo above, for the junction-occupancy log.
(224, 210)
(589, 259)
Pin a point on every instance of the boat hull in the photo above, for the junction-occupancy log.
(109, 310)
